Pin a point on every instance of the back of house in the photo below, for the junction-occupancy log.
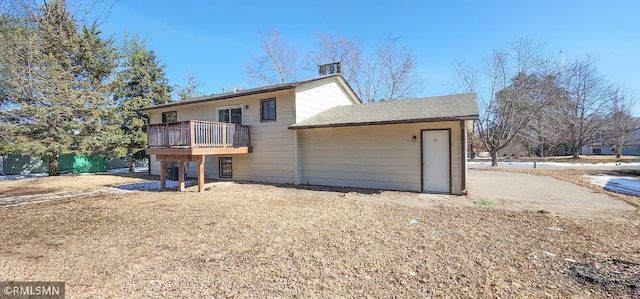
(316, 132)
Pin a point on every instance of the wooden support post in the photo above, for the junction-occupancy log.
(224, 135)
(163, 174)
(192, 131)
(166, 136)
(201, 174)
(249, 138)
(181, 175)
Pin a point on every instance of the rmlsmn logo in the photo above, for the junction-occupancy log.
(32, 289)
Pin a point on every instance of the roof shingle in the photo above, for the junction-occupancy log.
(246, 92)
(430, 109)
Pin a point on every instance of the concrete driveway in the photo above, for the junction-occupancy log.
(530, 192)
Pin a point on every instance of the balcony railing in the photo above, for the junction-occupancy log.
(198, 134)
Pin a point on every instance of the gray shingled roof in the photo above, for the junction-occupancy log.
(246, 92)
(441, 108)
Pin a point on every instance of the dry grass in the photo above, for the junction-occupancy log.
(249, 240)
(68, 183)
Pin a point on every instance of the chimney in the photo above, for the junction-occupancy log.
(330, 68)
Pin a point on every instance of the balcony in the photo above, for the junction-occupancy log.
(195, 137)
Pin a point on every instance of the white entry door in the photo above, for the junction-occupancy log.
(436, 161)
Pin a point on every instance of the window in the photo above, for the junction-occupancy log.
(169, 117)
(230, 114)
(596, 151)
(225, 167)
(268, 110)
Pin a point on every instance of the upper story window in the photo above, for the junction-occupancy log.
(230, 114)
(268, 110)
(169, 117)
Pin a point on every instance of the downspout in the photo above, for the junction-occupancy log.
(463, 160)
(297, 172)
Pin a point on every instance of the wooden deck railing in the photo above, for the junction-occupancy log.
(196, 133)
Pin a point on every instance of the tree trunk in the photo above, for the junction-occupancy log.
(575, 153)
(576, 150)
(53, 166)
(132, 165)
(618, 152)
(494, 159)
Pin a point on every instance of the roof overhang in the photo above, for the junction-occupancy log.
(260, 90)
(219, 97)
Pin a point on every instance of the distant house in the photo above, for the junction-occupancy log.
(602, 143)
(315, 132)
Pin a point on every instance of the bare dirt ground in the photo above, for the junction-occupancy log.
(16, 192)
(253, 240)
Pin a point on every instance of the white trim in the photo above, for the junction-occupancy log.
(297, 165)
(227, 107)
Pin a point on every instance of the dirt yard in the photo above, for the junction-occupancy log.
(252, 240)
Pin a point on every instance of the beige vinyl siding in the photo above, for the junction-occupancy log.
(191, 168)
(381, 156)
(154, 165)
(210, 168)
(273, 143)
(318, 96)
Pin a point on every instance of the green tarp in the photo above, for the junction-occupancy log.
(71, 163)
(68, 163)
(18, 164)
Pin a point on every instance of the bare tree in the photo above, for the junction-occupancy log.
(389, 73)
(277, 64)
(585, 111)
(467, 78)
(511, 90)
(620, 122)
(337, 49)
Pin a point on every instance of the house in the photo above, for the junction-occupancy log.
(315, 132)
(602, 143)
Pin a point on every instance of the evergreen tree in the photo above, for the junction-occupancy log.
(55, 101)
(141, 82)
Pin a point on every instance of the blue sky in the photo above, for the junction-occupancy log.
(214, 40)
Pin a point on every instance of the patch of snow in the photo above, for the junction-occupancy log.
(154, 185)
(13, 177)
(12, 201)
(121, 170)
(559, 164)
(618, 184)
(587, 164)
